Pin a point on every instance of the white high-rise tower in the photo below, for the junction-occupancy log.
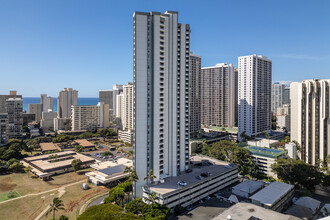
(254, 94)
(161, 103)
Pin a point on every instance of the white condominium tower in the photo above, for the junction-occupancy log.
(127, 118)
(46, 102)
(90, 117)
(116, 90)
(254, 94)
(195, 98)
(310, 118)
(218, 95)
(161, 103)
(277, 96)
(67, 97)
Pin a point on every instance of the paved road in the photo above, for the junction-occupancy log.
(97, 201)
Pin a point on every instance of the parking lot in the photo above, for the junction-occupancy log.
(98, 154)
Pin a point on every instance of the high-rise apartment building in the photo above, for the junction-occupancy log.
(286, 96)
(277, 96)
(90, 117)
(47, 119)
(218, 95)
(310, 118)
(254, 94)
(14, 108)
(127, 118)
(47, 102)
(195, 96)
(161, 96)
(36, 109)
(106, 96)
(116, 90)
(3, 98)
(120, 106)
(236, 97)
(3, 128)
(67, 97)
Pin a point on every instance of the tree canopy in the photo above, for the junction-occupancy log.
(107, 212)
(298, 173)
(229, 151)
(76, 164)
(79, 148)
(62, 138)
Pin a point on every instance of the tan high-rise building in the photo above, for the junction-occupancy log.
(90, 117)
(218, 95)
(36, 109)
(3, 98)
(195, 96)
(67, 98)
(310, 118)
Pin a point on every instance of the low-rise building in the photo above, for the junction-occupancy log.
(28, 118)
(247, 188)
(262, 142)
(247, 211)
(88, 146)
(265, 157)
(109, 171)
(45, 166)
(206, 176)
(126, 136)
(49, 147)
(275, 196)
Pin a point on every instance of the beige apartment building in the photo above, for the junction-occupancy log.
(36, 109)
(218, 95)
(310, 118)
(90, 117)
(195, 95)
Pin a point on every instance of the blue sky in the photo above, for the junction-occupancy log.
(46, 45)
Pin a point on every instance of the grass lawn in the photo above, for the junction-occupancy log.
(23, 184)
(75, 197)
(26, 208)
(4, 196)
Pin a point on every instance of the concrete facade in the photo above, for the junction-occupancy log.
(3, 128)
(218, 95)
(36, 109)
(14, 108)
(67, 97)
(254, 94)
(195, 95)
(161, 97)
(310, 118)
(47, 102)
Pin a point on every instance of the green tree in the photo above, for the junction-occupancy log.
(76, 165)
(138, 207)
(106, 133)
(151, 199)
(15, 165)
(56, 205)
(133, 177)
(107, 153)
(86, 135)
(150, 176)
(62, 138)
(79, 148)
(63, 217)
(106, 212)
(298, 173)
(229, 151)
(27, 170)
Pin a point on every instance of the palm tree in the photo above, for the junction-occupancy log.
(151, 199)
(133, 177)
(150, 176)
(55, 206)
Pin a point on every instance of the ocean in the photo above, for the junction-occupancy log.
(81, 101)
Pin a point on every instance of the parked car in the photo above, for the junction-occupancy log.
(182, 183)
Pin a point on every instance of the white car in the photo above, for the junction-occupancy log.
(182, 183)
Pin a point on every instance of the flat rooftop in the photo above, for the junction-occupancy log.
(64, 159)
(249, 186)
(49, 147)
(272, 193)
(84, 143)
(107, 164)
(171, 183)
(245, 211)
(266, 152)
